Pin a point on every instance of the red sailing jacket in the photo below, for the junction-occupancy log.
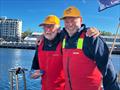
(81, 73)
(51, 63)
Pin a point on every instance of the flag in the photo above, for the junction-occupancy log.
(104, 4)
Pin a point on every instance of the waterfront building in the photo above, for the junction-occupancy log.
(10, 29)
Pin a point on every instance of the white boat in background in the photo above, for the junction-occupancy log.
(109, 41)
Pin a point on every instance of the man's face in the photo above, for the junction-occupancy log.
(72, 24)
(50, 31)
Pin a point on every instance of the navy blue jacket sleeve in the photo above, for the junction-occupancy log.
(35, 64)
(101, 55)
(110, 80)
(99, 52)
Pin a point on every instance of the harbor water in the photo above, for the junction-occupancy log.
(10, 58)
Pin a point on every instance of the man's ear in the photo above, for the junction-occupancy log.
(80, 19)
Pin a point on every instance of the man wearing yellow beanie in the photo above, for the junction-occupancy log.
(48, 56)
(85, 59)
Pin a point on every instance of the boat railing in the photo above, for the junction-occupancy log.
(15, 72)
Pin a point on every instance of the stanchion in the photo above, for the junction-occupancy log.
(11, 80)
(14, 72)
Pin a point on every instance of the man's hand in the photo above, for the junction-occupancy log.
(35, 74)
(92, 32)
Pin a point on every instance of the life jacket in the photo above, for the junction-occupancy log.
(81, 73)
(51, 63)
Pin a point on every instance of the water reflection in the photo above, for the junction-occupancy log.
(10, 58)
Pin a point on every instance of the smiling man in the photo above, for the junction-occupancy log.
(85, 59)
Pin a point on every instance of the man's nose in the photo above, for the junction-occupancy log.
(48, 30)
(70, 24)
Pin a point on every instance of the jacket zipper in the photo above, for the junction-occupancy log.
(68, 72)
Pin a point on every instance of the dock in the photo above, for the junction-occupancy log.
(18, 45)
(32, 46)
